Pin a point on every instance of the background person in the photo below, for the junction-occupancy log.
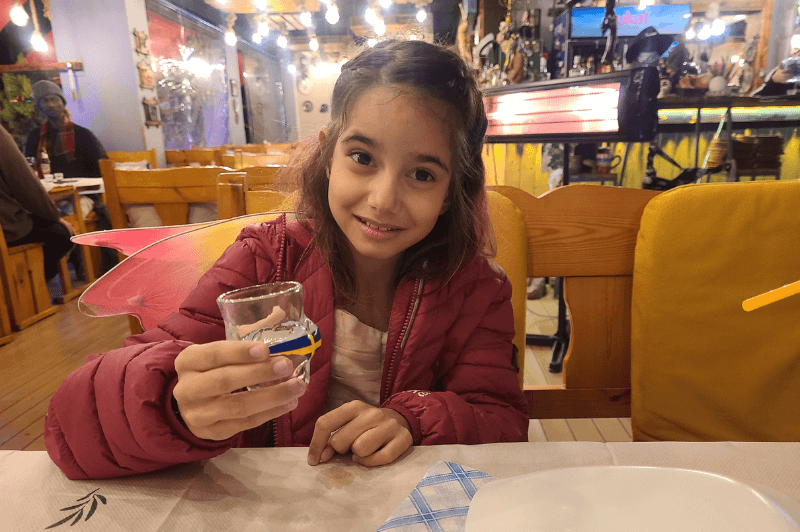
(27, 214)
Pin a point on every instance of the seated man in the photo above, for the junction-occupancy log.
(27, 214)
(73, 150)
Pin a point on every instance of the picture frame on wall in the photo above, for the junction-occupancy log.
(142, 45)
(147, 78)
(152, 118)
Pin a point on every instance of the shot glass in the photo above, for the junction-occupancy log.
(272, 313)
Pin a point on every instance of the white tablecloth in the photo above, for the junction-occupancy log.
(85, 185)
(275, 489)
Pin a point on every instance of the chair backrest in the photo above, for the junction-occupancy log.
(134, 157)
(511, 240)
(175, 157)
(252, 159)
(235, 199)
(200, 156)
(585, 234)
(169, 190)
(702, 368)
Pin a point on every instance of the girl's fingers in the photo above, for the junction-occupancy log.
(228, 379)
(205, 357)
(223, 430)
(327, 454)
(388, 453)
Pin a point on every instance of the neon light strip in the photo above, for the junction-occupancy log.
(739, 114)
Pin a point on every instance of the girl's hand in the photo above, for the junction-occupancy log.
(208, 374)
(375, 436)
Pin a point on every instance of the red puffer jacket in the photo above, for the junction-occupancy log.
(448, 366)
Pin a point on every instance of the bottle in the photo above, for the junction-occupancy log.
(576, 69)
(44, 164)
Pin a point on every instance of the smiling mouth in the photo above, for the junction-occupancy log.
(376, 226)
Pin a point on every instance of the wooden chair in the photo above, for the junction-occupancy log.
(200, 156)
(253, 159)
(69, 292)
(585, 234)
(169, 190)
(235, 199)
(26, 297)
(175, 158)
(134, 157)
(701, 367)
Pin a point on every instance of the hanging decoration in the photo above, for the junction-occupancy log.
(151, 115)
(142, 46)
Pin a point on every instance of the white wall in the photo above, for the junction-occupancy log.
(320, 90)
(235, 115)
(99, 33)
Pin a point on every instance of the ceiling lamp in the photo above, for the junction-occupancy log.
(292, 69)
(332, 14)
(263, 27)
(230, 35)
(306, 19)
(704, 33)
(261, 5)
(422, 15)
(690, 34)
(313, 44)
(372, 42)
(282, 41)
(717, 27)
(380, 28)
(257, 38)
(370, 16)
(18, 15)
(385, 4)
(38, 42)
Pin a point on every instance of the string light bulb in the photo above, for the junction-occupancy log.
(230, 38)
(263, 27)
(380, 28)
(282, 41)
(332, 14)
(38, 42)
(313, 44)
(385, 4)
(291, 69)
(370, 16)
(18, 15)
(257, 38)
(306, 19)
(261, 5)
(421, 15)
(372, 42)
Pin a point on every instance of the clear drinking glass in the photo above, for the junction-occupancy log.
(272, 313)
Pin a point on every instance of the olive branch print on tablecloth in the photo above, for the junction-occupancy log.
(92, 497)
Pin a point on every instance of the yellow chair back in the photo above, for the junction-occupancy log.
(134, 157)
(702, 367)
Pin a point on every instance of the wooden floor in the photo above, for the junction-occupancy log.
(35, 363)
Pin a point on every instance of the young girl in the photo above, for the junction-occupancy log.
(416, 323)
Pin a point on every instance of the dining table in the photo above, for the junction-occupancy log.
(275, 488)
(84, 185)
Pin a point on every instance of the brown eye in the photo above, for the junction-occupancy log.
(361, 158)
(422, 175)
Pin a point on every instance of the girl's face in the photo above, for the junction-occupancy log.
(390, 173)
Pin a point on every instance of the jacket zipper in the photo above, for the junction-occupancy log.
(404, 332)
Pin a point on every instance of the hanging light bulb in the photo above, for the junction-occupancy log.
(261, 5)
(385, 4)
(370, 16)
(257, 38)
(332, 15)
(372, 42)
(263, 28)
(313, 44)
(291, 69)
(306, 19)
(380, 28)
(38, 42)
(230, 38)
(705, 32)
(18, 15)
(422, 15)
(690, 34)
(282, 41)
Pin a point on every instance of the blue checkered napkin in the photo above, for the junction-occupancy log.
(440, 501)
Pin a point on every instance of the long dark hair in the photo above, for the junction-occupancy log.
(462, 232)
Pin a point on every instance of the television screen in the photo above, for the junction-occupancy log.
(667, 19)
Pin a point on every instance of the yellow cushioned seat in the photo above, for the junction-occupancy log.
(701, 367)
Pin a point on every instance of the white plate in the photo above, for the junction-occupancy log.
(628, 499)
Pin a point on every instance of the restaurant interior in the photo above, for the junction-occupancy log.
(643, 166)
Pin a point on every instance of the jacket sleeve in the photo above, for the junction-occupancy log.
(113, 416)
(477, 398)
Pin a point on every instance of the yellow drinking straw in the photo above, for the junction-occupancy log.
(771, 297)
